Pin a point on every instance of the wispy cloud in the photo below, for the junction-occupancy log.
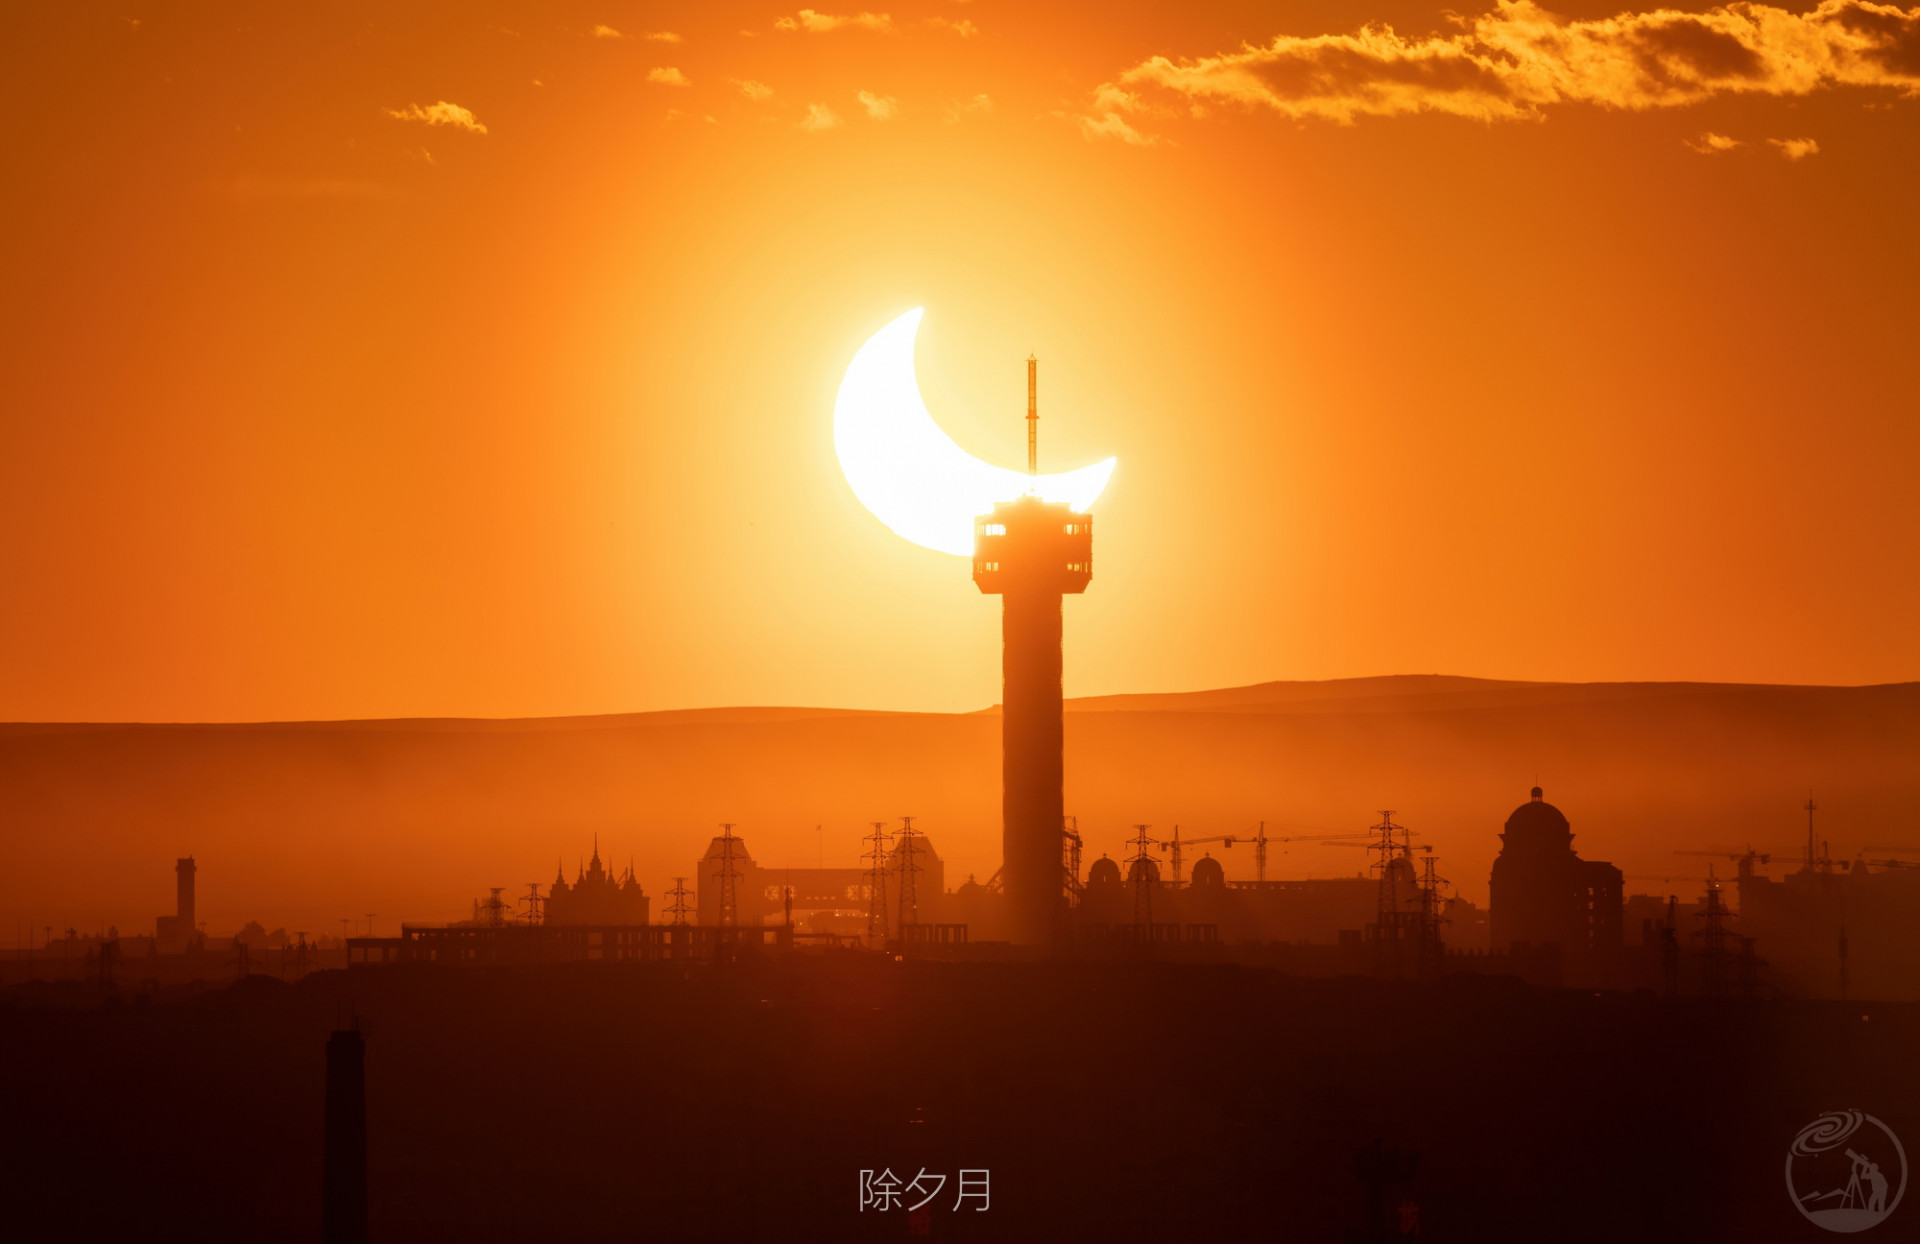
(1710, 143)
(441, 113)
(667, 75)
(815, 23)
(1795, 148)
(758, 92)
(1113, 125)
(961, 26)
(1520, 59)
(1107, 118)
(819, 117)
(651, 36)
(879, 107)
(972, 106)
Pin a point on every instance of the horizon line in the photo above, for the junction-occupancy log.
(990, 709)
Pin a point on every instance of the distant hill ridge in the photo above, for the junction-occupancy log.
(1378, 693)
(302, 823)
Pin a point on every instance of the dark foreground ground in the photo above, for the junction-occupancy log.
(1108, 1102)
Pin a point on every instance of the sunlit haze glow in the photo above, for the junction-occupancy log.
(909, 472)
(466, 368)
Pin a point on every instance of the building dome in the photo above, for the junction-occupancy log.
(1207, 872)
(1542, 893)
(1150, 867)
(1402, 886)
(1537, 825)
(1103, 872)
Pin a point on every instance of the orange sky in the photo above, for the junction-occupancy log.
(466, 361)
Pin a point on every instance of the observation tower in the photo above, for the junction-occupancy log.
(1030, 553)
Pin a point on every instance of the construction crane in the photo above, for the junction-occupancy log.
(1175, 843)
(1071, 847)
(1260, 840)
(1744, 859)
(1893, 863)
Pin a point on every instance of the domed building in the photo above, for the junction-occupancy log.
(834, 899)
(1106, 899)
(1543, 893)
(1208, 874)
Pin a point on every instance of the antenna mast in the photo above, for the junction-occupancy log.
(1033, 417)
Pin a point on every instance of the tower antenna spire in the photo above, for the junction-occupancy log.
(1033, 417)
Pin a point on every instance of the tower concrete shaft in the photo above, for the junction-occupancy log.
(1033, 762)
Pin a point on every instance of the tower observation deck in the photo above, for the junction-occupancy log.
(1031, 552)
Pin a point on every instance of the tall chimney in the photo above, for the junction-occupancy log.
(343, 1195)
(183, 896)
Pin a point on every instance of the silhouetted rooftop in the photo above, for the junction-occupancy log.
(1537, 823)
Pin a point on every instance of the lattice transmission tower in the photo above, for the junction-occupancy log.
(876, 858)
(1142, 868)
(907, 865)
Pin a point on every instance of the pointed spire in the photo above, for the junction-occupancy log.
(1033, 418)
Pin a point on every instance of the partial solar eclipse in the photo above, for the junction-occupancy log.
(909, 472)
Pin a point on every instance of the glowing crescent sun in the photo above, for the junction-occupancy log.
(910, 473)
